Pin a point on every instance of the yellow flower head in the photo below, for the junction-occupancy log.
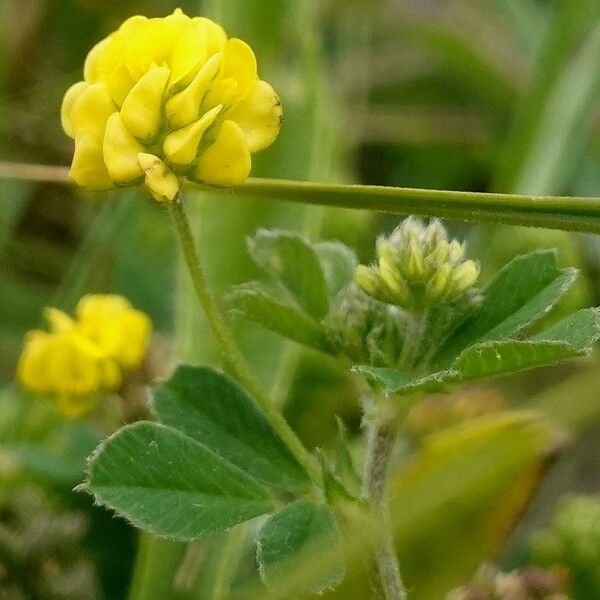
(77, 359)
(168, 98)
(120, 331)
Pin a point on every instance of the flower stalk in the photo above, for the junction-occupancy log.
(565, 213)
(380, 445)
(232, 353)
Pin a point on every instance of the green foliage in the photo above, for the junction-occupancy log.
(523, 292)
(212, 409)
(294, 263)
(37, 443)
(573, 541)
(569, 338)
(171, 485)
(42, 551)
(465, 340)
(303, 540)
(338, 263)
(312, 274)
(462, 489)
(281, 318)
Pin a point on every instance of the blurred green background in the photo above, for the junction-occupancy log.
(478, 95)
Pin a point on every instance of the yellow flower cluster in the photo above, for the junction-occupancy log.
(168, 98)
(80, 357)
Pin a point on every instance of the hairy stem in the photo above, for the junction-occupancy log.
(231, 350)
(380, 445)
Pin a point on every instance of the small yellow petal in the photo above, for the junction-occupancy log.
(227, 162)
(141, 110)
(120, 152)
(220, 92)
(215, 35)
(87, 168)
(240, 64)
(160, 180)
(58, 320)
(259, 115)
(188, 54)
(118, 329)
(183, 108)
(71, 95)
(91, 110)
(110, 375)
(153, 42)
(32, 366)
(97, 61)
(180, 147)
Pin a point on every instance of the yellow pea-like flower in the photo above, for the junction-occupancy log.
(119, 330)
(227, 161)
(165, 99)
(80, 358)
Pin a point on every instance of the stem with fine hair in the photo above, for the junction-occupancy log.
(380, 444)
(231, 350)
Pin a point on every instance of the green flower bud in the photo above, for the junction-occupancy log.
(413, 263)
(464, 276)
(399, 291)
(368, 280)
(435, 234)
(456, 251)
(438, 285)
(418, 267)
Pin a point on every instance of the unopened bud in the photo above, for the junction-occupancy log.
(413, 264)
(437, 286)
(368, 280)
(435, 233)
(455, 251)
(464, 276)
(440, 254)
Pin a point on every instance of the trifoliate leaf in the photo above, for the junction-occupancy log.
(300, 549)
(165, 482)
(214, 410)
(291, 259)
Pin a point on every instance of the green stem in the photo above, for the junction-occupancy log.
(380, 445)
(229, 559)
(230, 348)
(155, 563)
(552, 212)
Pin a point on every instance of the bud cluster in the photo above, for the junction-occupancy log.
(418, 267)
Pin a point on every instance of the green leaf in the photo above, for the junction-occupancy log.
(399, 383)
(171, 485)
(281, 318)
(291, 259)
(214, 410)
(344, 464)
(571, 337)
(338, 263)
(525, 290)
(580, 330)
(301, 547)
(509, 356)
